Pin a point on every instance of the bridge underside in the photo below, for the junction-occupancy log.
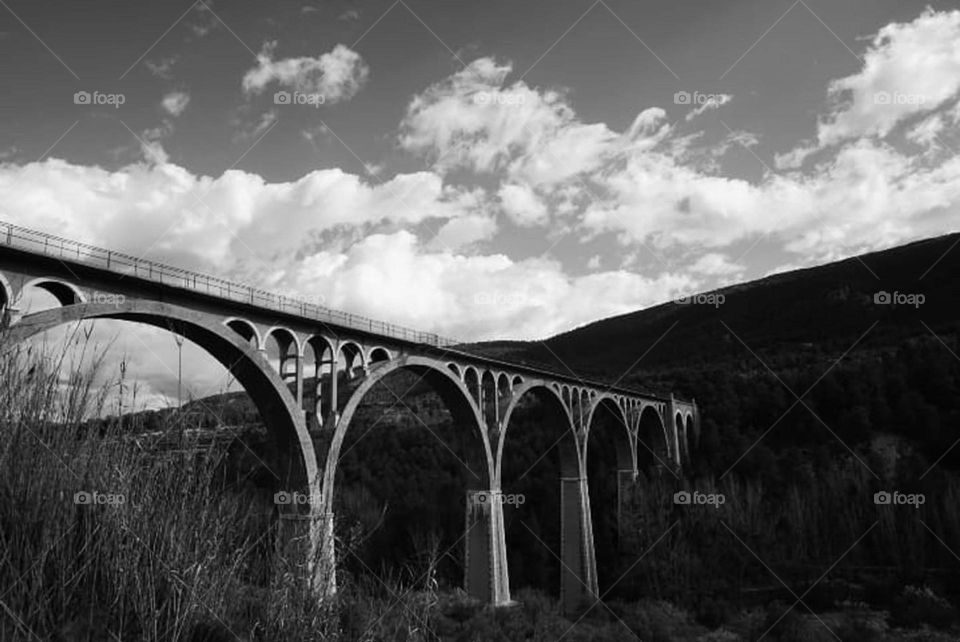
(643, 434)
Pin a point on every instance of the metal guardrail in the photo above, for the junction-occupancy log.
(128, 265)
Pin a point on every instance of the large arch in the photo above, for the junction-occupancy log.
(274, 402)
(610, 473)
(277, 408)
(543, 464)
(485, 572)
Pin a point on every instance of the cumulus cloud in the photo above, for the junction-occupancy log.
(483, 297)
(472, 120)
(507, 148)
(654, 186)
(337, 75)
(909, 69)
(522, 205)
(214, 222)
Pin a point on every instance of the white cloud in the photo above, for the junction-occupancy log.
(337, 75)
(391, 276)
(213, 222)
(715, 101)
(715, 264)
(175, 103)
(657, 187)
(470, 120)
(910, 68)
(464, 231)
(522, 205)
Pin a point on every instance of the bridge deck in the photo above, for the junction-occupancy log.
(69, 252)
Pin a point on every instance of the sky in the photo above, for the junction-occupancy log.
(494, 170)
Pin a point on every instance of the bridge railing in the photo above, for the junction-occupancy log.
(126, 264)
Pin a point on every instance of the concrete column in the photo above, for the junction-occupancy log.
(674, 431)
(625, 480)
(485, 563)
(305, 547)
(332, 410)
(578, 583)
(298, 360)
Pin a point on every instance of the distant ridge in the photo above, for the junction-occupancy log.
(821, 309)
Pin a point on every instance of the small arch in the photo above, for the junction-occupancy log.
(318, 351)
(503, 384)
(378, 355)
(65, 293)
(488, 392)
(285, 337)
(472, 381)
(288, 353)
(245, 329)
(517, 381)
(455, 370)
(353, 358)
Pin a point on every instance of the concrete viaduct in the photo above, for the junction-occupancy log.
(233, 323)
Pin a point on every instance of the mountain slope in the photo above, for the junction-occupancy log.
(821, 310)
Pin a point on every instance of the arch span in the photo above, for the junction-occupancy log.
(485, 569)
(545, 467)
(276, 405)
(610, 473)
(436, 373)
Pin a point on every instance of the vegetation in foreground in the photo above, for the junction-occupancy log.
(159, 549)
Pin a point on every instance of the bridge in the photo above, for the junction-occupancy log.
(350, 356)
